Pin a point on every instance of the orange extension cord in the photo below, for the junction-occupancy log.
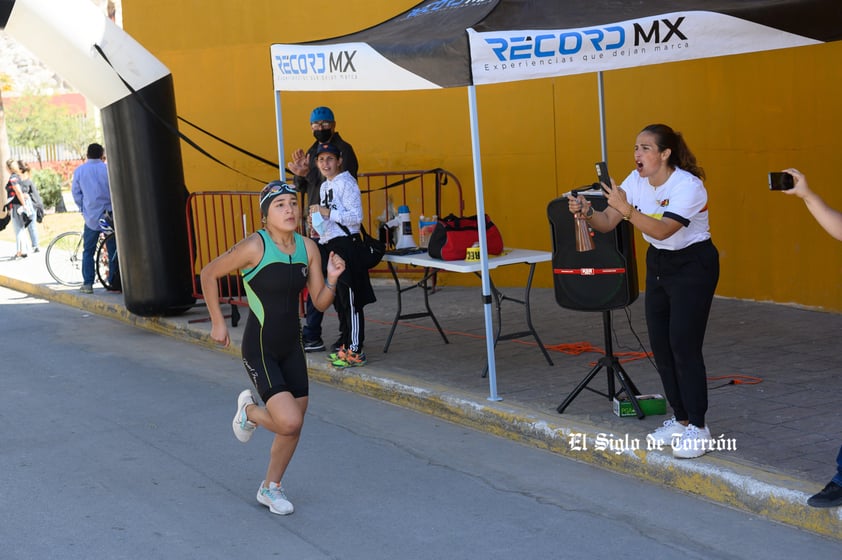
(576, 348)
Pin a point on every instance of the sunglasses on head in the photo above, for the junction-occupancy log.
(273, 189)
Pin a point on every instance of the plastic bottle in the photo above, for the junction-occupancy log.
(405, 240)
(425, 230)
(421, 237)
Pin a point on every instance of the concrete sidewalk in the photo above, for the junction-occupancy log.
(773, 378)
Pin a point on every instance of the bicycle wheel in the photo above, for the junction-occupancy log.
(64, 258)
(103, 262)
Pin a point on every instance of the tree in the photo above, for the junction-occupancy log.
(48, 183)
(35, 122)
(82, 132)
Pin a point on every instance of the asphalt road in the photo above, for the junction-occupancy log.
(116, 443)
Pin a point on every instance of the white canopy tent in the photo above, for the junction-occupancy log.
(455, 43)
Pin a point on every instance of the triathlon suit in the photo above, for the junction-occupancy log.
(272, 351)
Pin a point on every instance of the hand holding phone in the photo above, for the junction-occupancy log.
(779, 181)
(602, 173)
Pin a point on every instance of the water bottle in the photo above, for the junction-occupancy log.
(425, 230)
(405, 240)
(422, 238)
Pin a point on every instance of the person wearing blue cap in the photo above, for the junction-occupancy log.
(276, 263)
(308, 180)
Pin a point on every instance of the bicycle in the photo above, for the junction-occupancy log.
(64, 257)
(103, 263)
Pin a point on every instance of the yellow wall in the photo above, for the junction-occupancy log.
(741, 115)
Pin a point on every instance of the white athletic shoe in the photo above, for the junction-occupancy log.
(666, 433)
(243, 427)
(274, 498)
(693, 443)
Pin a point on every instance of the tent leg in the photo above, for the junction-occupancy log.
(483, 247)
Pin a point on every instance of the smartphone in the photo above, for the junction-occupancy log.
(602, 173)
(779, 181)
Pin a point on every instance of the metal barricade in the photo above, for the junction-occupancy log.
(428, 193)
(215, 222)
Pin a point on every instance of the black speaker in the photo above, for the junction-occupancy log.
(598, 280)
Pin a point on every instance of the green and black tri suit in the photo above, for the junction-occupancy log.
(272, 351)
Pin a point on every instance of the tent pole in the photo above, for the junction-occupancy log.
(603, 141)
(279, 128)
(483, 245)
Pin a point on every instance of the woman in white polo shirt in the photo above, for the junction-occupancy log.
(665, 199)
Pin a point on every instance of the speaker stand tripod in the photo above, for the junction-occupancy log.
(612, 367)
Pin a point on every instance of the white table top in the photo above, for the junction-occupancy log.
(509, 256)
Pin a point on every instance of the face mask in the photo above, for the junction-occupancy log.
(323, 135)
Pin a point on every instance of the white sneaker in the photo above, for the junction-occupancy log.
(274, 498)
(243, 427)
(694, 442)
(671, 429)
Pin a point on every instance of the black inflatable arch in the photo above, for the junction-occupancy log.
(144, 155)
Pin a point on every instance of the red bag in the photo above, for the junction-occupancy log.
(453, 235)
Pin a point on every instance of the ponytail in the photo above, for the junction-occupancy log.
(680, 154)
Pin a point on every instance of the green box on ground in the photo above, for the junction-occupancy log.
(650, 405)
